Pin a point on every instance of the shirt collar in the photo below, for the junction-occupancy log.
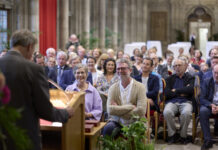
(128, 86)
(89, 89)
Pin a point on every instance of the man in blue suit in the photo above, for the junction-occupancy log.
(208, 106)
(150, 81)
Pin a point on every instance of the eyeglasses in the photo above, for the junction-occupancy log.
(82, 73)
(122, 68)
(177, 65)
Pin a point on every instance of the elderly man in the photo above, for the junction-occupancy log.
(73, 40)
(50, 52)
(29, 88)
(61, 61)
(209, 106)
(179, 92)
(125, 99)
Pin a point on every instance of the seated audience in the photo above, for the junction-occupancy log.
(150, 81)
(125, 99)
(181, 51)
(93, 102)
(179, 93)
(72, 48)
(138, 62)
(50, 52)
(101, 60)
(169, 62)
(135, 71)
(61, 65)
(97, 53)
(208, 74)
(136, 51)
(73, 40)
(82, 54)
(192, 51)
(91, 61)
(212, 52)
(108, 78)
(68, 78)
(197, 60)
(50, 72)
(120, 54)
(158, 68)
(144, 51)
(70, 56)
(51, 62)
(111, 53)
(208, 107)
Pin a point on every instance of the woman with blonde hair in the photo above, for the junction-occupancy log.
(101, 61)
(96, 53)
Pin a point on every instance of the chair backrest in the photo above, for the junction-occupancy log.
(197, 91)
(197, 87)
(161, 96)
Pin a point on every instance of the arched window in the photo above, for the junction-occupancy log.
(3, 29)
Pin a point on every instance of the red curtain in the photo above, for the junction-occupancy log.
(47, 24)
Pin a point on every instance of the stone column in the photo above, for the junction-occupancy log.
(115, 24)
(86, 19)
(133, 21)
(63, 23)
(20, 16)
(125, 23)
(102, 23)
(34, 20)
(145, 20)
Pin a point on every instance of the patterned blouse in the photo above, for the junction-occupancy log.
(103, 85)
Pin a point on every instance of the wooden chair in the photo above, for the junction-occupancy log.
(148, 122)
(157, 116)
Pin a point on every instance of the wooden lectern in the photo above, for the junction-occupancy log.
(69, 136)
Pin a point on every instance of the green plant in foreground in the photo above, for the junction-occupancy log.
(133, 138)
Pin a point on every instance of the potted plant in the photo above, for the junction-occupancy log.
(133, 138)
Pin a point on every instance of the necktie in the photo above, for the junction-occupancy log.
(59, 75)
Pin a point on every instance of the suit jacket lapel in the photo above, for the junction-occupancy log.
(132, 94)
(118, 94)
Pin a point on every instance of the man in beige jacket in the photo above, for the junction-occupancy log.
(125, 99)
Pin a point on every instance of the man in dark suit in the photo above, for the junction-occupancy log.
(158, 68)
(61, 61)
(209, 106)
(29, 88)
(150, 81)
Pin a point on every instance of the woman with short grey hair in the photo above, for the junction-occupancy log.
(93, 102)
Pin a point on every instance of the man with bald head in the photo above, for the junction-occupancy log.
(179, 93)
(73, 40)
(209, 106)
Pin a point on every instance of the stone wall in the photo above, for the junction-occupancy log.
(130, 20)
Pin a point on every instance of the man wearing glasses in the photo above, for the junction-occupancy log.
(125, 99)
(179, 92)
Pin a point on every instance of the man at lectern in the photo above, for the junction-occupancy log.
(29, 88)
(125, 99)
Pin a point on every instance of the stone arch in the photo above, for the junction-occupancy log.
(207, 10)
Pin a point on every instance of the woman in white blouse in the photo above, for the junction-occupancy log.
(91, 61)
